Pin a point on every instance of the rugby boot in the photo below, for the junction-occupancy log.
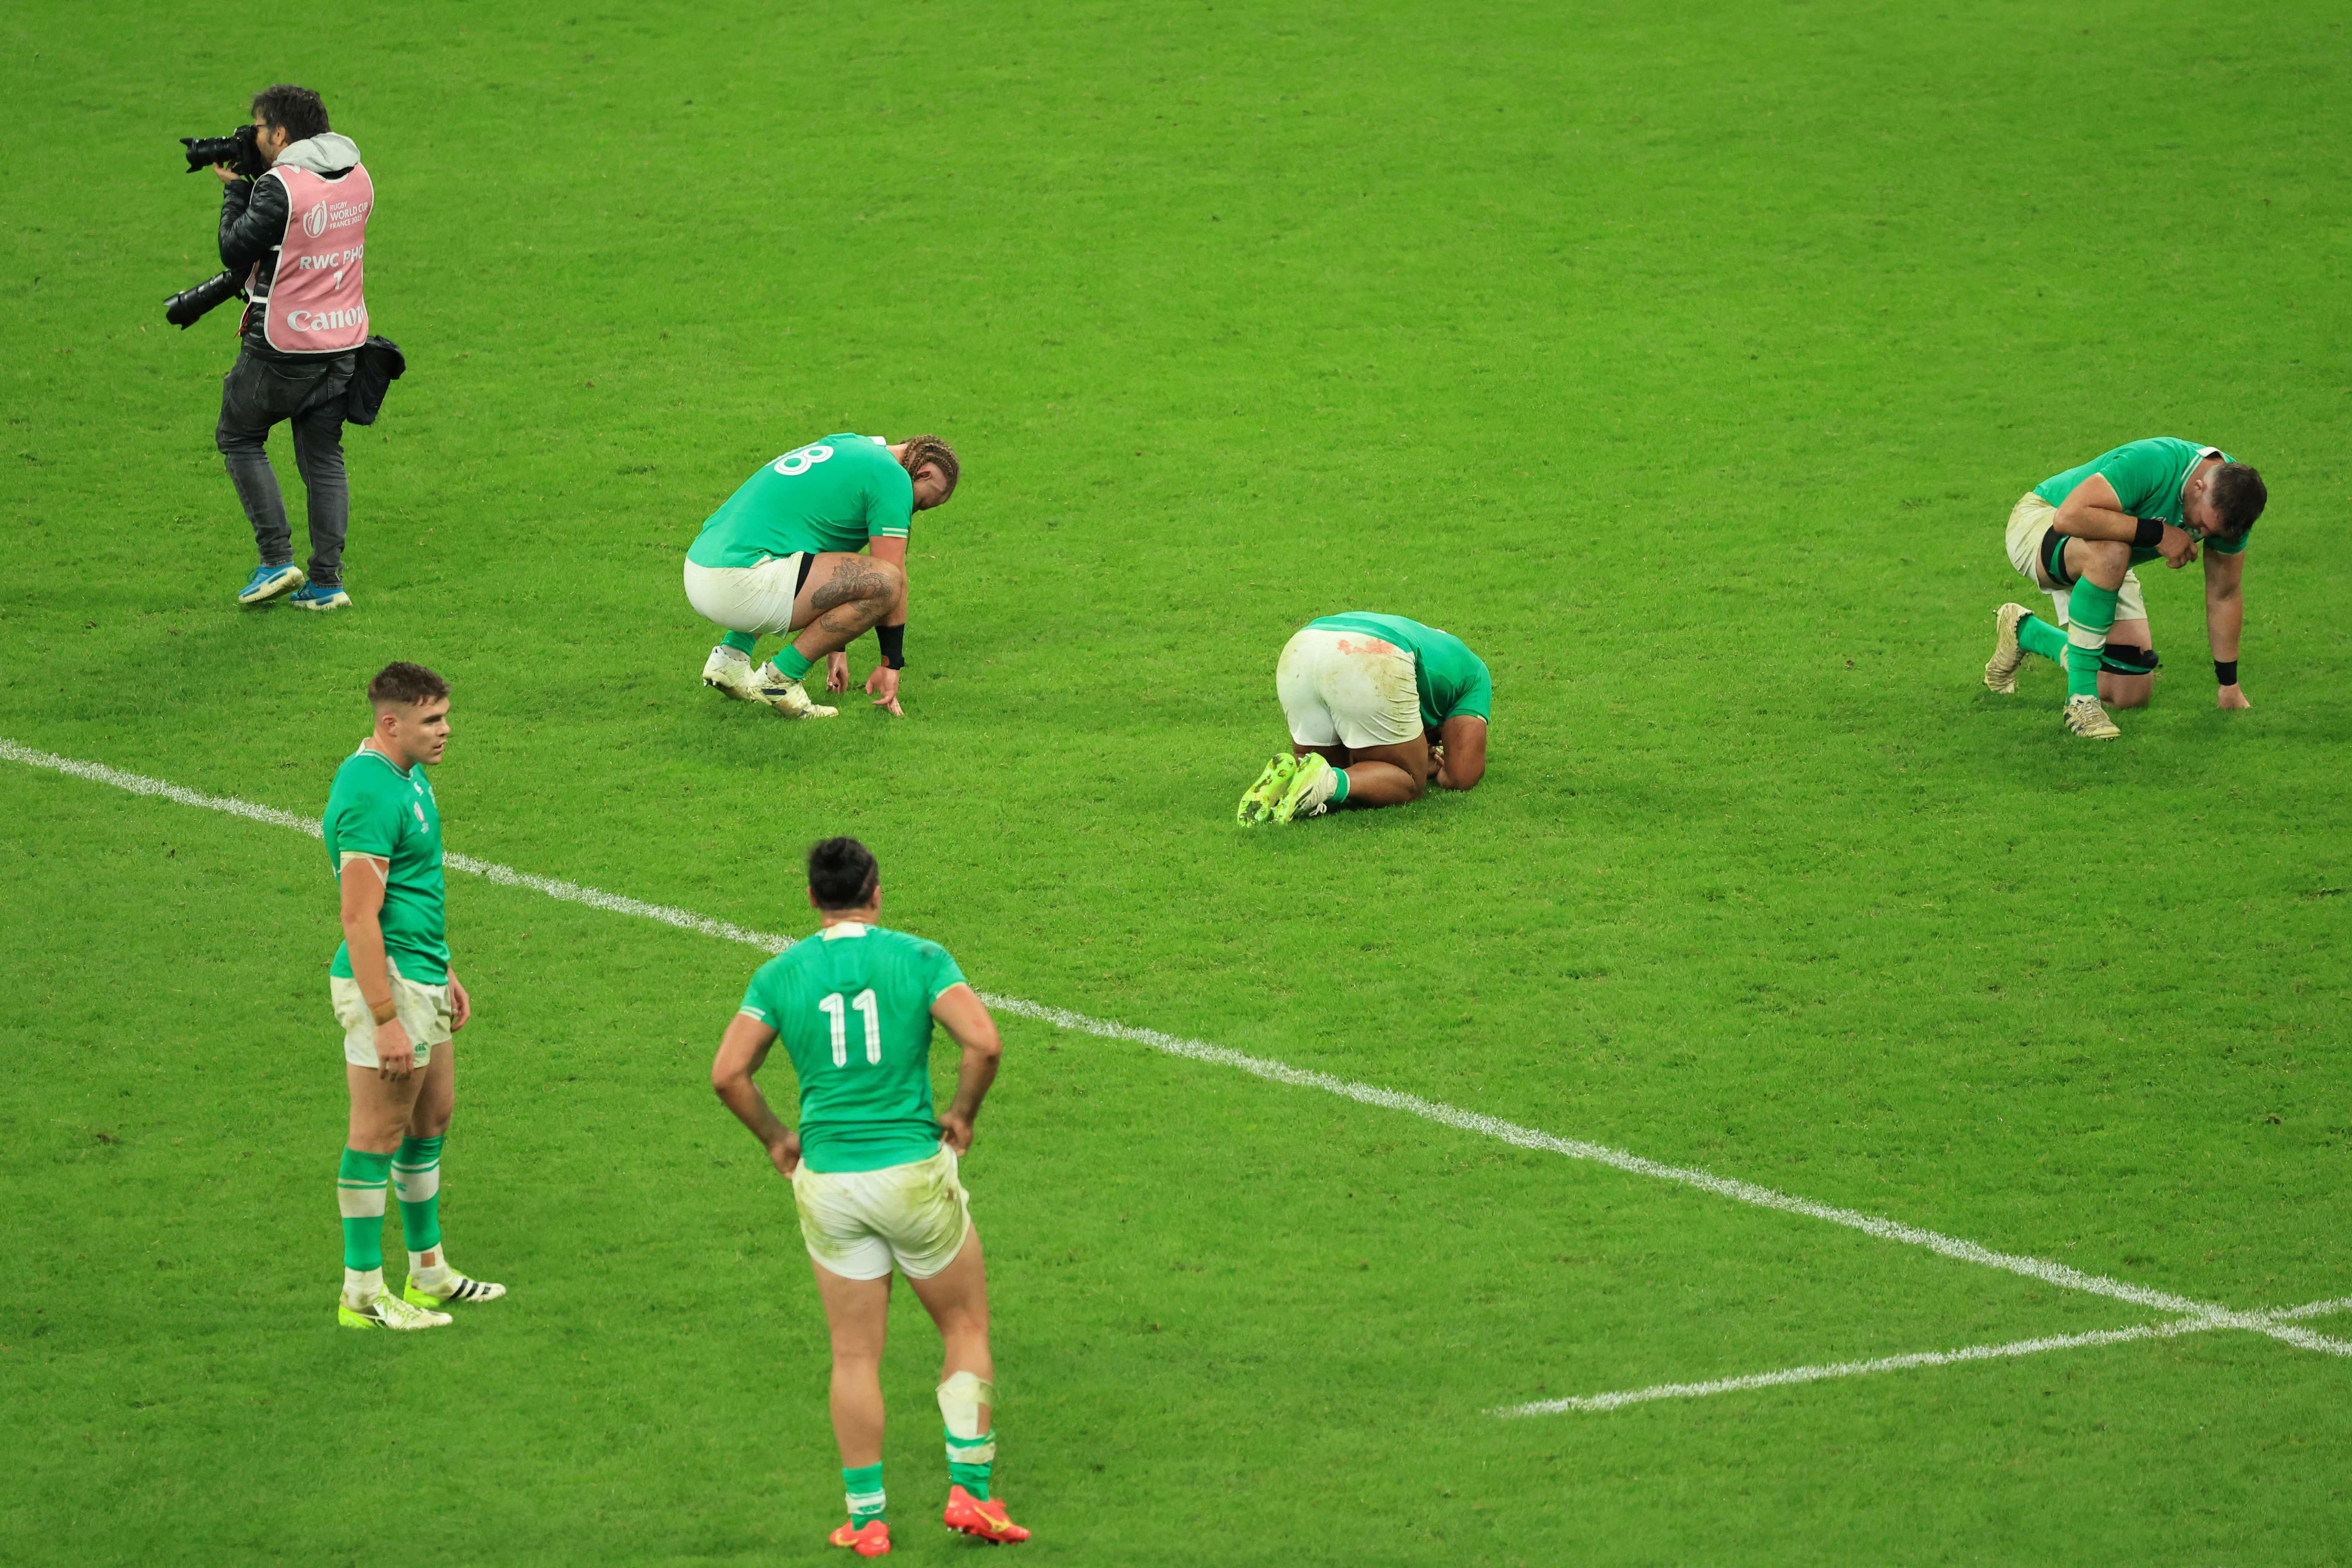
(788, 697)
(2000, 669)
(728, 672)
(316, 596)
(870, 1540)
(387, 1311)
(982, 1517)
(2085, 718)
(450, 1287)
(1309, 791)
(267, 582)
(1257, 801)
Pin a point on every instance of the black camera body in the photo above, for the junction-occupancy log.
(238, 150)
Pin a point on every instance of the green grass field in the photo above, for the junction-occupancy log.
(1686, 362)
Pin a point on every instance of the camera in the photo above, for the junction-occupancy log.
(186, 308)
(238, 150)
(241, 152)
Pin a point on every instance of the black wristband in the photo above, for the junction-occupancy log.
(2225, 671)
(894, 645)
(2150, 534)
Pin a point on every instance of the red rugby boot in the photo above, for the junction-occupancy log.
(872, 1540)
(982, 1517)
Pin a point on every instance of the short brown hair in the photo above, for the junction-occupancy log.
(402, 683)
(295, 111)
(930, 449)
(2237, 497)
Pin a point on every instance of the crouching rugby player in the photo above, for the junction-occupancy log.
(2077, 535)
(873, 1174)
(1379, 708)
(399, 1001)
(782, 556)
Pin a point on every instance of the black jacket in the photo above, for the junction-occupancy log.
(252, 223)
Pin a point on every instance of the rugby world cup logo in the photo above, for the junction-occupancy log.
(314, 222)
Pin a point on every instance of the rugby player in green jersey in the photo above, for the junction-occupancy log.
(1380, 707)
(782, 555)
(399, 1001)
(2077, 535)
(874, 1173)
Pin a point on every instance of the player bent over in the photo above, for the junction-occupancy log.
(399, 1001)
(1379, 708)
(2077, 535)
(873, 1174)
(782, 555)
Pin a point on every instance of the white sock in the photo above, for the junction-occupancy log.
(424, 1273)
(361, 1285)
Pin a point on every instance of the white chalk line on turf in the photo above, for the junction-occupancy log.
(2169, 1329)
(2051, 1273)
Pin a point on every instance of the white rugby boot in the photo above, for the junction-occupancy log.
(728, 672)
(388, 1312)
(2085, 718)
(2000, 669)
(788, 697)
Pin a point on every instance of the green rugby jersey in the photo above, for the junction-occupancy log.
(834, 494)
(1451, 679)
(376, 809)
(2147, 477)
(853, 1004)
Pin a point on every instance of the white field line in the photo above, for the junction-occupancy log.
(1794, 1374)
(2051, 1273)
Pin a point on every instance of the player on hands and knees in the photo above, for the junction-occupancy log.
(399, 1001)
(1379, 708)
(2077, 535)
(782, 556)
(874, 1174)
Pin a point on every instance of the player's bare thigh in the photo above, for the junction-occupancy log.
(2127, 690)
(380, 1107)
(841, 577)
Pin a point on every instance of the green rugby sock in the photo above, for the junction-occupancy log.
(2090, 616)
(862, 1488)
(2035, 634)
(790, 662)
(970, 1461)
(1339, 793)
(741, 642)
(359, 1192)
(417, 1177)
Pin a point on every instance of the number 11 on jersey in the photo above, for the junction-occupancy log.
(836, 1014)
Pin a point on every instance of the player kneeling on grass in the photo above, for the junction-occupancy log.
(2077, 535)
(1380, 707)
(873, 1174)
(399, 1002)
(782, 555)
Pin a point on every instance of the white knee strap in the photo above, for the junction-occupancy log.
(961, 1397)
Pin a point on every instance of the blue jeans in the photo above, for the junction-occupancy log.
(307, 394)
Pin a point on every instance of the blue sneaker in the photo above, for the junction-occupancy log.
(267, 582)
(319, 596)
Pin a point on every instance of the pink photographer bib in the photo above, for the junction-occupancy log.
(315, 304)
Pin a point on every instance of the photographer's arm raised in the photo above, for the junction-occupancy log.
(252, 219)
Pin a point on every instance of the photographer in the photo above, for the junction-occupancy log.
(298, 232)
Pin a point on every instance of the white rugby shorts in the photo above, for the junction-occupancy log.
(748, 598)
(1346, 689)
(2029, 522)
(423, 1011)
(859, 1223)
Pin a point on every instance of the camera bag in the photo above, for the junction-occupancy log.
(376, 365)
